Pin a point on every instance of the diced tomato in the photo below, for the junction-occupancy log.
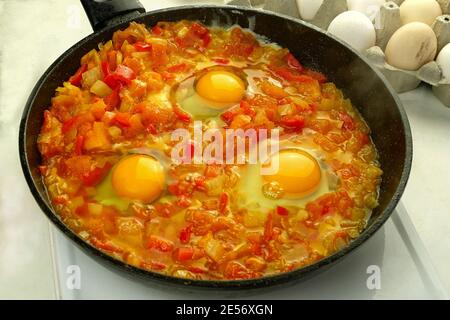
(293, 122)
(142, 46)
(268, 229)
(206, 40)
(159, 243)
(181, 43)
(151, 128)
(221, 60)
(185, 234)
(247, 108)
(59, 200)
(294, 63)
(184, 253)
(212, 171)
(229, 115)
(181, 114)
(76, 78)
(69, 124)
(235, 270)
(122, 119)
(103, 245)
(223, 202)
(167, 75)
(348, 122)
(316, 75)
(200, 183)
(154, 265)
(362, 138)
(43, 169)
(197, 270)
(282, 211)
(199, 29)
(183, 201)
(177, 67)
(157, 30)
(79, 143)
(96, 175)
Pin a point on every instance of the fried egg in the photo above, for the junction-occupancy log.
(210, 91)
(301, 176)
(138, 176)
(215, 89)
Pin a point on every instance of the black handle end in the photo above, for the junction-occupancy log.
(101, 12)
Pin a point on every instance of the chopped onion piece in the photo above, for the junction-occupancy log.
(101, 89)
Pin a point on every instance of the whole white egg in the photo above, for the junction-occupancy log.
(411, 46)
(308, 8)
(370, 8)
(443, 60)
(425, 11)
(355, 28)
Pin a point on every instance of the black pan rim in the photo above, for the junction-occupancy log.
(214, 284)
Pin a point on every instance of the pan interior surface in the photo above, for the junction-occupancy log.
(364, 86)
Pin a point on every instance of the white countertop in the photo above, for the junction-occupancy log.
(29, 44)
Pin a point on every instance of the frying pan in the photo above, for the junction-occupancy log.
(351, 72)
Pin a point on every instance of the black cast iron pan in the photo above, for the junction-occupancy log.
(360, 82)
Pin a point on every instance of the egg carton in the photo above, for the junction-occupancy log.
(387, 22)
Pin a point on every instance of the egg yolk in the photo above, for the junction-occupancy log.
(138, 177)
(298, 172)
(221, 86)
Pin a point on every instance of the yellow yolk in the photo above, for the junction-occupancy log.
(298, 172)
(138, 177)
(221, 86)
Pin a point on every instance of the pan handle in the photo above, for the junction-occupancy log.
(102, 12)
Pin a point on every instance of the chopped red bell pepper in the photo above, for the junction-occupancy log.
(288, 75)
(184, 254)
(294, 63)
(69, 124)
(79, 143)
(142, 46)
(93, 177)
(112, 100)
(223, 202)
(105, 68)
(293, 122)
(122, 75)
(78, 76)
(157, 30)
(122, 119)
(177, 67)
(282, 211)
